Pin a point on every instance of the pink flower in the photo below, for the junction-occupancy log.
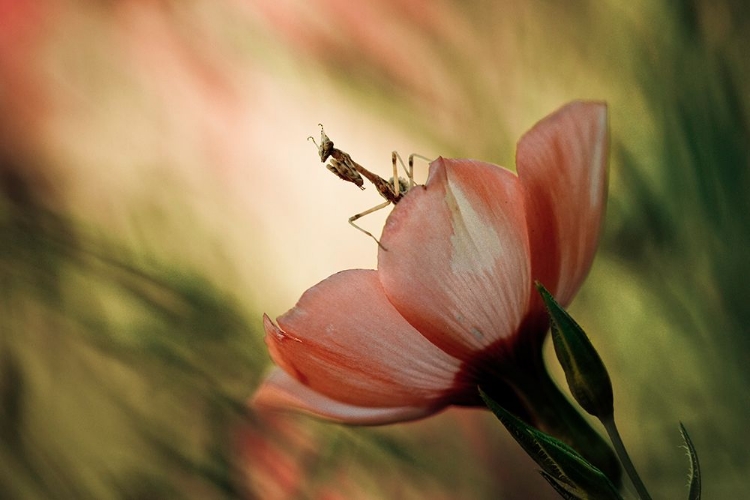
(452, 304)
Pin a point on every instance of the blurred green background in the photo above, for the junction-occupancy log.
(157, 194)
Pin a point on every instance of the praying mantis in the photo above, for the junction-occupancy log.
(344, 167)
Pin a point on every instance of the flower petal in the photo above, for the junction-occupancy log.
(455, 261)
(281, 391)
(345, 340)
(562, 164)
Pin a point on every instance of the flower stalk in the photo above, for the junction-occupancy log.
(622, 453)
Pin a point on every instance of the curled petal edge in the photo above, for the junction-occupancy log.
(280, 391)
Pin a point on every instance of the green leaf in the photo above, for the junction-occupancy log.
(695, 469)
(584, 370)
(559, 461)
(561, 488)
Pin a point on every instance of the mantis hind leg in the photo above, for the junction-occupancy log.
(367, 212)
(396, 158)
(411, 166)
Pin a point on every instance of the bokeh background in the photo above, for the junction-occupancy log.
(157, 194)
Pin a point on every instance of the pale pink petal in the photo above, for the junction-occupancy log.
(281, 391)
(562, 164)
(455, 261)
(345, 340)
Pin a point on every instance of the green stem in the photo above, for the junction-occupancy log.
(622, 453)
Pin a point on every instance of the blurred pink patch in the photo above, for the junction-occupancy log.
(275, 452)
(22, 99)
(452, 304)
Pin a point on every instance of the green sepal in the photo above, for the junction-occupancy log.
(584, 370)
(695, 469)
(560, 462)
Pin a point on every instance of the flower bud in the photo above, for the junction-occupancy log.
(586, 375)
